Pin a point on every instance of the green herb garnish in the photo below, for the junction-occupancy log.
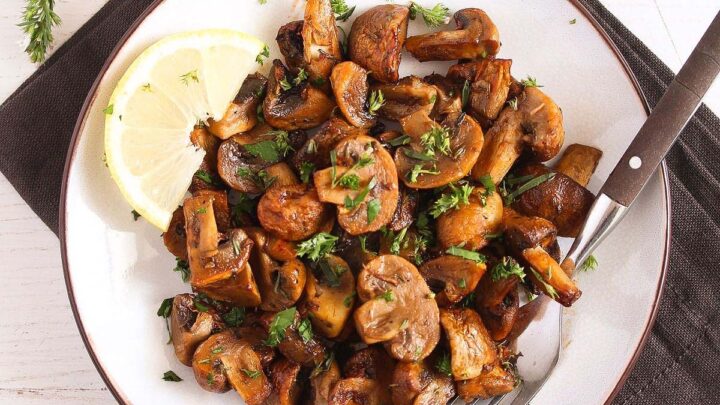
(182, 267)
(549, 290)
(317, 247)
(466, 254)
(590, 263)
(235, 317)
(507, 267)
(465, 93)
(351, 203)
(135, 215)
(413, 154)
(399, 141)
(436, 140)
(190, 76)
(388, 296)
(171, 376)
(306, 170)
(375, 102)
(341, 10)
(434, 17)
(530, 82)
(279, 324)
(251, 373)
(305, 330)
(38, 19)
(530, 184)
(443, 365)
(265, 53)
(373, 209)
(457, 196)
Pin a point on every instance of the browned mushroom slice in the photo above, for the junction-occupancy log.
(322, 380)
(547, 275)
(206, 176)
(188, 327)
(560, 200)
(282, 174)
(224, 361)
(174, 238)
(405, 212)
(536, 127)
(240, 163)
(521, 232)
(471, 348)
(368, 202)
(221, 208)
(406, 243)
(496, 381)
(322, 47)
(350, 86)
(498, 305)
(372, 362)
(579, 162)
(219, 270)
(406, 97)
(449, 95)
(256, 336)
(330, 295)
(421, 169)
(287, 387)
(398, 309)
(376, 40)
(301, 106)
(469, 224)
(290, 42)
(307, 352)
(489, 82)
(476, 37)
(280, 284)
(455, 276)
(292, 212)
(241, 115)
(414, 383)
(358, 391)
(316, 150)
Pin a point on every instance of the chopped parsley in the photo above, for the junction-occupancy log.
(507, 267)
(264, 54)
(171, 376)
(466, 254)
(397, 242)
(417, 170)
(271, 151)
(399, 141)
(433, 17)
(375, 101)
(549, 290)
(364, 161)
(373, 209)
(388, 296)
(135, 215)
(466, 93)
(251, 373)
(305, 330)
(351, 203)
(317, 247)
(205, 176)
(164, 312)
(182, 267)
(235, 317)
(190, 76)
(348, 300)
(351, 181)
(443, 365)
(590, 263)
(413, 154)
(341, 10)
(530, 82)
(513, 103)
(457, 196)
(306, 170)
(279, 324)
(331, 276)
(436, 140)
(573, 21)
(109, 109)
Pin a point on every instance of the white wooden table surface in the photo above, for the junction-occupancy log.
(42, 358)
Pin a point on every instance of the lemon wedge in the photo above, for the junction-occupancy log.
(174, 84)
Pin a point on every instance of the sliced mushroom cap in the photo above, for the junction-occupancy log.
(322, 382)
(476, 37)
(203, 139)
(496, 381)
(310, 353)
(287, 386)
(188, 327)
(466, 141)
(300, 107)
(405, 97)
(241, 115)
(221, 208)
(414, 383)
(174, 238)
(219, 270)
(280, 284)
(321, 48)
(469, 224)
(290, 42)
(224, 361)
(330, 295)
(489, 82)
(376, 40)
(371, 362)
(404, 214)
(292, 212)
(456, 277)
(256, 335)
(547, 275)
(521, 232)
(500, 319)
(471, 348)
(237, 166)
(377, 180)
(282, 174)
(350, 86)
(316, 150)
(560, 200)
(398, 309)
(449, 95)
(579, 162)
(358, 391)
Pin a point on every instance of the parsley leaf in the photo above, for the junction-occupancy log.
(549, 290)
(388, 296)
(306, 170)
(590, 263)
(182, 267)
(348, 300)
(317, 247)
(375, 102)
(204, 176)
(413, 154)
(443, 365)
(351, 203)
(109, 109)
(466, 93)
(507, 267)
(373, 209)
(436, 140)
(434, 17)
(457, 196)
(171, 376)
(305, 330)
(331, 276)
(265, 150)
(251, 373)
(265, 53)
(530, 82)
(235, 317)
(341, 10)
(351, 181)
(164, 312)
(466, 254)
(399, 141)
(135, 215)
(279, 324)
(417, 170)
(397, 242)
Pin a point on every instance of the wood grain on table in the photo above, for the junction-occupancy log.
(42, 358)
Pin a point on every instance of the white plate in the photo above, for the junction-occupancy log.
(118, 271)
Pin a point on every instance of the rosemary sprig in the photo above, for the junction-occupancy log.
(37, 22)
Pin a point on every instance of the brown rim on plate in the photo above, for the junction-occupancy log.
(91, 96)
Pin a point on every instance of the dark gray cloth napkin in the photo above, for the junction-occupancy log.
(681, 361)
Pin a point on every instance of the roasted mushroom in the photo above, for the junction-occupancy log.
(535, 127)
(476, 37)
(241, 115)
(579, 162)
(491, 383)
(438, 154)
(307, 352)
(560, 200)
(471, 348)
(350, 86)
(449, 95)
(221, 208)
(372, 362)
(363, 184)
(224, 361)
(174, 238)
(205, 177)
(470, 224)
(489, 83)
(188, 327)
(282, 175)
(376, 40)
(358, 391)
(404, 214)
(292, 103)
(287, 386)
(290, 42)
(406, 97)
(321, 44)
(292, 212)
(453, 276)
(547, 275)
(521, 232)
(330, 295)
(219, 270)
(414, 383)
(498, 301)
(241, 163)
(322, 380)
(280, 284)
(398, 309)
(316, 150)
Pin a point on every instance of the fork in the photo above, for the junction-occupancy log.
(645, 153)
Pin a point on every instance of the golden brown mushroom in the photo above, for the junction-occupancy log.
(405, 97)
(287, 386)
(203, 139)
(404, 214)
(174, 238)
(282, 174)
(489, 82)
(290, 42)
(322, 380)
(498, 304)
(330, 295)
(579, 162)
(188, 327)
(521, 232)
(316, 151)
(371, 362)
(455, 276)
(496, 381)
(469, 224)
(398, 309)
(370, 205)
(350, 86)
(449, 95)
(321, 44)
(457, 143)
(476, 37)
(535, 127)
(292, 212)
(241, 115)
(240, 165)
(414, 383)
(358, 391)
(299, 106)
(376, 40)
(547, 275)
(471, 348)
